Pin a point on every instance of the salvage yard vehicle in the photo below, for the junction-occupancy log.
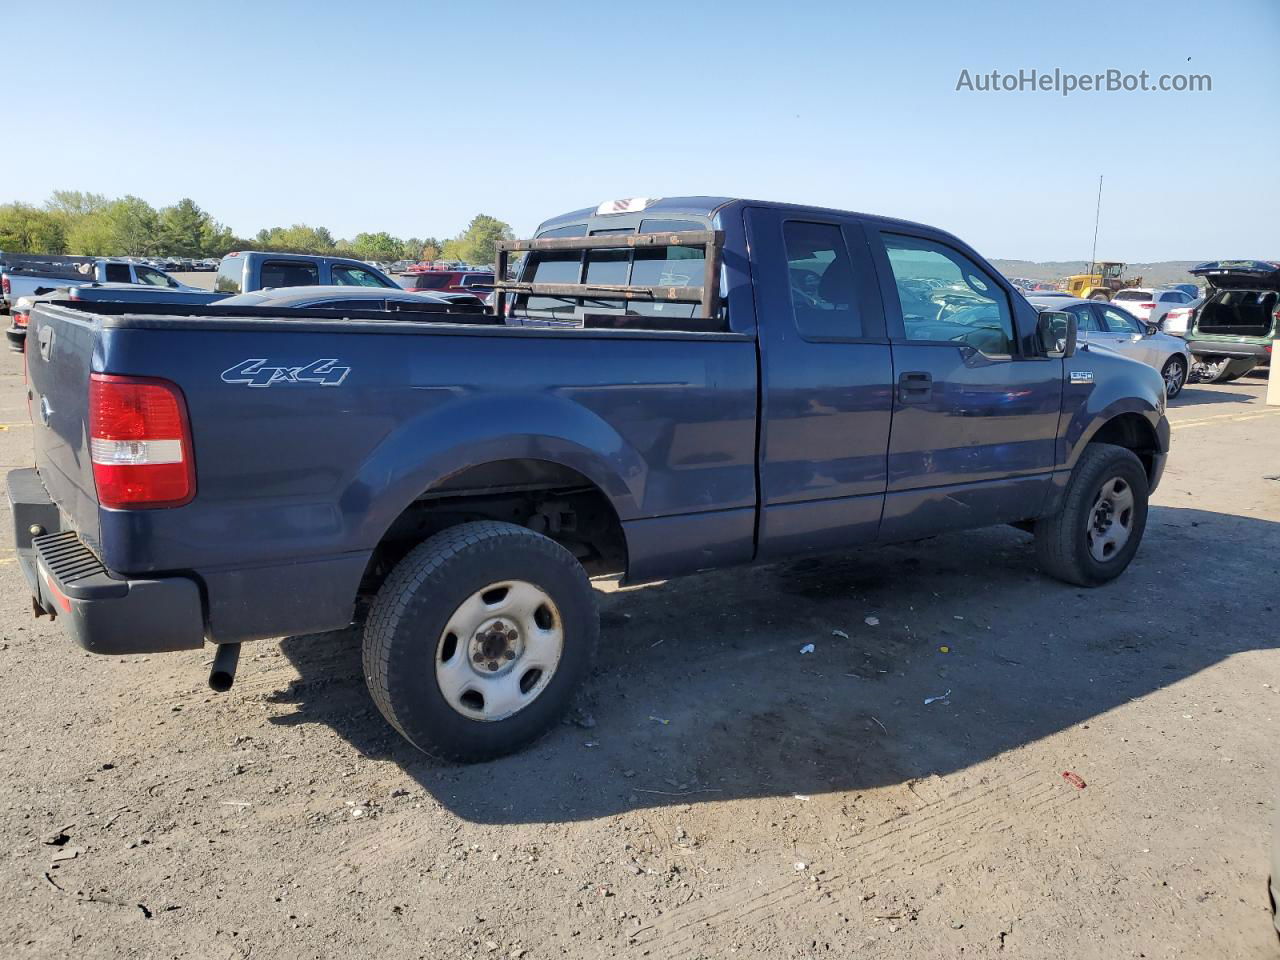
(1104, 279)
(681, 384)
(16, 334)
(1235, 328)
(1110, 325)
(1149, 305)
(36, 274)
(347, 299)
(249, 270)
(478, 282)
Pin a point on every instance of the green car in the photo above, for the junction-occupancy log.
(1234, 328)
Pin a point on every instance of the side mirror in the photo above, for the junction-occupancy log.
(1151, 329)
(1056, 330)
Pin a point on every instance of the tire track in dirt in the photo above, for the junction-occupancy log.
(912, 838)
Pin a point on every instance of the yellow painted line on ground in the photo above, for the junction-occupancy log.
(6, 426)
(1227, 417)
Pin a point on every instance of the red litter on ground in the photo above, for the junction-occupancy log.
(1074, 779)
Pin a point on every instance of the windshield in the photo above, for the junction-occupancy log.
(1132, 295)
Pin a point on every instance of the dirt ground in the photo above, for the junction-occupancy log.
(898, 792)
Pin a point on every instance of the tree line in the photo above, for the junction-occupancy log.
(91, 224)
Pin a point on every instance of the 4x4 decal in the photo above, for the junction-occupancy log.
(261, 373)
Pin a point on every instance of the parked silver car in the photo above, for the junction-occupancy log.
(1111, 326)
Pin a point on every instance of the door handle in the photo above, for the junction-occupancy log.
(915, 387)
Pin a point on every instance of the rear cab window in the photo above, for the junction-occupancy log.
(118, 273)
(1132, 295)
(669, 266)
(288, 273)
(823, 292)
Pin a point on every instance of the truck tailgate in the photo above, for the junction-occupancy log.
(59, 356)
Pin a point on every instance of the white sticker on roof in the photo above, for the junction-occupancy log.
(628, 205)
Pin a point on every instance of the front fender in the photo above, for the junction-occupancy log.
(1119, 386)
(467, 430)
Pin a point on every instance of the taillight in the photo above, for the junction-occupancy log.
(1146, 306)
(140, 442)
(20, 319)
(4, 285)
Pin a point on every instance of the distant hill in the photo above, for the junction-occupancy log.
(1159, 274)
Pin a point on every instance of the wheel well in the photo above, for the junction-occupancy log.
(1132, 431)
(543, 496)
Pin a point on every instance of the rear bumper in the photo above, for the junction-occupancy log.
(17, 337)
(1230, 348)
(104, 612)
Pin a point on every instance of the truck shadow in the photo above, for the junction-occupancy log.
(703, 692)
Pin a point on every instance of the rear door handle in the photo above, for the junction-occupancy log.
(915, 387)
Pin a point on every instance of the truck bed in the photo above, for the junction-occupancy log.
(308, 474)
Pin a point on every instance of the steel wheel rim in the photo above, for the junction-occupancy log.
(1174, 374)
(1110, 522)
(499, 650)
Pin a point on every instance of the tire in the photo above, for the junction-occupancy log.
(1066, 541)
(1175, 376)
(475, 579)
(1100, 296)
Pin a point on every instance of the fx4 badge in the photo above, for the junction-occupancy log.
(1082, 376)
(260, 373)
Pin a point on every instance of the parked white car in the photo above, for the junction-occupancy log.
(1149, 305)
(1113, 327)
(1178, 320)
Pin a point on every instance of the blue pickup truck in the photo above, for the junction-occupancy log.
(664, 386)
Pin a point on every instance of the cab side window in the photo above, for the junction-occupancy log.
(823, 292)
(345, 276)
(947, 298)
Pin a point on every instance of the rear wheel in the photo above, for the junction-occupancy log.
(1175, 376)
(1097, 531)
(1099, 295)
(478, 639)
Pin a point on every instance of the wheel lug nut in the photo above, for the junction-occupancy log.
(510, 654)
(511, 636)
(479, 657)
(493, 664)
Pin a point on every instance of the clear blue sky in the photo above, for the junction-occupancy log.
(412, 117)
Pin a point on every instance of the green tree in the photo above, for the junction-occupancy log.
(377, 246)
(70, 205)
(92, 236)
(135, 226)
(298, 238)
(28, 229)
(477, 243)
(184, 228)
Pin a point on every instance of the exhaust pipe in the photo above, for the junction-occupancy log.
(223, 673)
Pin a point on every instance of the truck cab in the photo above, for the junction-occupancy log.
(246, 271)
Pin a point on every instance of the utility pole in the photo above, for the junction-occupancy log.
(1093, 254)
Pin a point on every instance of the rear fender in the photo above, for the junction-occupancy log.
(427, 450)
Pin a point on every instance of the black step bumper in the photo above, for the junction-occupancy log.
(105, 612)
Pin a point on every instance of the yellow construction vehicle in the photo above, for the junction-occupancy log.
(1103, 279)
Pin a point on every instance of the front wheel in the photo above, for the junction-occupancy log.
(1095, 534)
(478, 639)
(1175, 376)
